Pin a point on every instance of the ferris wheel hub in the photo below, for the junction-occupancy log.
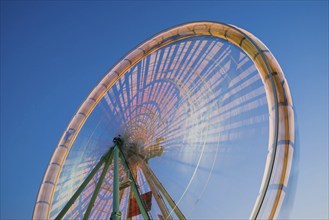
(118, 140)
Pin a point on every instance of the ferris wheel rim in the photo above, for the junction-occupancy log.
(238, 37)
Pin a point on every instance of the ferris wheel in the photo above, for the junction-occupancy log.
(196, 122)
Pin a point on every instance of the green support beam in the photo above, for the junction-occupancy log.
(165, 213)
(83, 185)
(164, 192)
(139, 200)
(116, 214)
(98, 186)
(116, 153)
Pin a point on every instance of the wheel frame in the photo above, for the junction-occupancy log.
(280, 106)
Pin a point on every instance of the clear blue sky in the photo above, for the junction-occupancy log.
(54, 53)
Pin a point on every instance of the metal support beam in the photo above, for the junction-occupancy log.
(83, 185)
(135, 190)
(156, 194)
(98, 186)
(116, 214)
(116, 153)
(164, 192)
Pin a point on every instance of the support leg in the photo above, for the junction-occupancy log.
(98, 186)
(164, 192)
(116, 214)
(83, 186)
(134, 188)
(157, 196)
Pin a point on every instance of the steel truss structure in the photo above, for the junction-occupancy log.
(114, 154)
